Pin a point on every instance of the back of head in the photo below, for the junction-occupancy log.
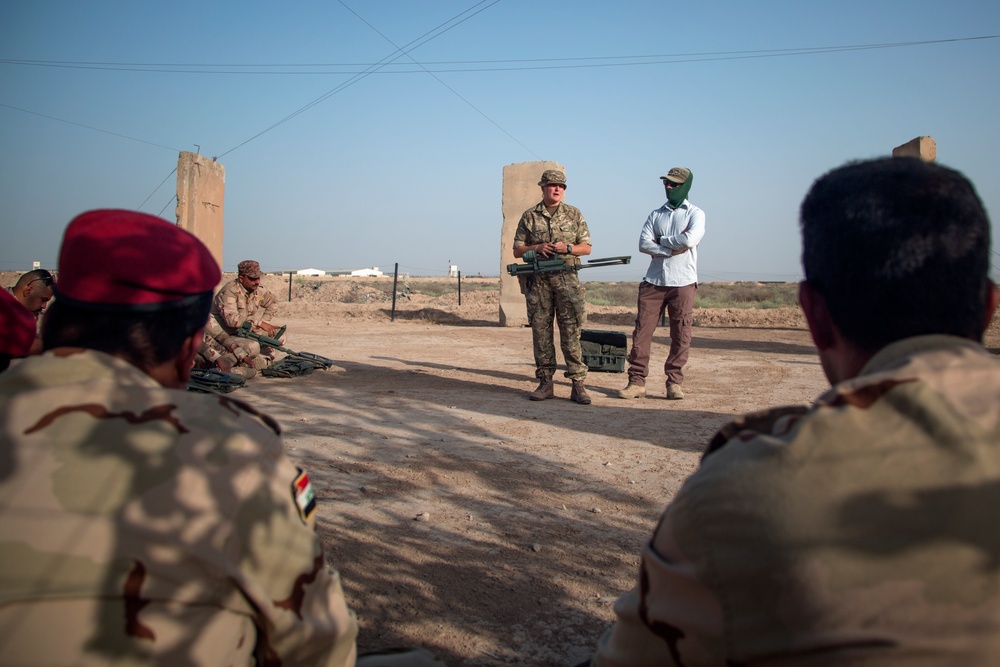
(30, 277)
(897, 247)
(130, 284)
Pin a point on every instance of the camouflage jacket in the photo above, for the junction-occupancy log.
(859, 531)
(232, 306)
(142, 525)
(566, 225)
(217, 342)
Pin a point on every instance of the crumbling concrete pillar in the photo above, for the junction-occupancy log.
(201, 190)
(520, 192)
(924, 148)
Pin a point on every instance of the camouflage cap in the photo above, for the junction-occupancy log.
(677, 175)
(124, 261)
(249, 268)
(552, 176)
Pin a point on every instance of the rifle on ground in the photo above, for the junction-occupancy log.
(246, 331)
(533, 265)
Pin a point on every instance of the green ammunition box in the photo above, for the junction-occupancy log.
(604, 351)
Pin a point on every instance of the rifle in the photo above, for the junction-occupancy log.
(246, 331)
(533, 265)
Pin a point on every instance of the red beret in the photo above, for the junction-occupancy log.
(17, 324)
(114, 259)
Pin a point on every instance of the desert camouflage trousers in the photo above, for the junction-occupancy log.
(559, 296)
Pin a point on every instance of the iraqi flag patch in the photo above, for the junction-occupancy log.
(302, 493)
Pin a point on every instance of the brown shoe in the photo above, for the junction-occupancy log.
(545, 389)
(579, 393)
(674, 392)
(632, 390)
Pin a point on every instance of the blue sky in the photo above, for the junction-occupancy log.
(406, 166)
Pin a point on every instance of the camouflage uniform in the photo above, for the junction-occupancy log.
(145, 525)
(860, 531)
(233, 306)
(555, 294)
(240, 352)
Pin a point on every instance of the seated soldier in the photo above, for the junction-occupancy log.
(244, 299)
(230, 354)
(33, 290)
(860, 530)
(143, 524)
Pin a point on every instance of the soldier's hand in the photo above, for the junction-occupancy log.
(224, 365)
(269, 328)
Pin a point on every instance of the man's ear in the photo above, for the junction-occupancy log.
(992, 300)
(184, 361)
(817, 313)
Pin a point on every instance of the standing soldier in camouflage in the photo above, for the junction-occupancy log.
(554, 228)
(141, 523)
(861, 530)
(245, 300)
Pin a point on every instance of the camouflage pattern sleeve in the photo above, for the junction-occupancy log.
(269, 303)
(521, 235)
(226, 306)
(855, 532)
(146, 525)
(229, 343)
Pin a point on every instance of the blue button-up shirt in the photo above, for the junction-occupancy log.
(667, 230)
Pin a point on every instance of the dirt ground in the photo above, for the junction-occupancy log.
(465, 518)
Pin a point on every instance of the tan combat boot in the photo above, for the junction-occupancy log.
(579, 393)
(674, 392)
(632, 390)
(545, 389)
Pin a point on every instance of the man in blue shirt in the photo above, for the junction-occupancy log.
(670, 236)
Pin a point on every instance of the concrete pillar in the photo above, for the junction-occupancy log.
(520, 192)
(924, 148)
(201, 190)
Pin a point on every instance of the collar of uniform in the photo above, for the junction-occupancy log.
(72, 366)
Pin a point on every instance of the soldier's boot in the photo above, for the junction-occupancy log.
(545, 389)
(674, 392)
(632, 390)
(579, 394)
(246, 371)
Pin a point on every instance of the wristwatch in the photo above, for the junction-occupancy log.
(569, 248)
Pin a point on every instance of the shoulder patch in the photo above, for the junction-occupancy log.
(774, 421)
(303, 495)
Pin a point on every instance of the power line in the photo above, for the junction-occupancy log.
(89, 127)
(431, 34)
(438, 79)
(382, 67)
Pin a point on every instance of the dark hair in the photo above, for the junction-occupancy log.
(898, 247)
(146, 339)
(35, 275)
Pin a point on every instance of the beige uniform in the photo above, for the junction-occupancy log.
(141, 525)
(233, 306)
(862, 531)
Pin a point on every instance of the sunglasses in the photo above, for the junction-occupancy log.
(670, 184)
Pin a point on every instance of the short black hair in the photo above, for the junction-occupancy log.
(35, 274)
(898, 247)
(146, 339)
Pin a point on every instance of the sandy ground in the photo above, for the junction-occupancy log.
(465, 518)
(470, 520)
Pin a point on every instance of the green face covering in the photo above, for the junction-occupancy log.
(677, 195)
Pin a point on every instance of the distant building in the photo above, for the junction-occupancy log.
(310, 272)
(368, 273)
